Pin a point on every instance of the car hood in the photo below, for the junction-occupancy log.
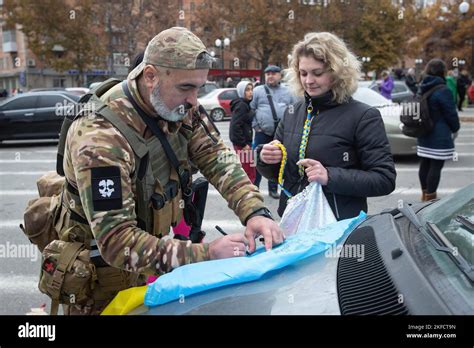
(304, 288)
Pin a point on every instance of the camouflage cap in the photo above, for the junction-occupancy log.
(176, 48)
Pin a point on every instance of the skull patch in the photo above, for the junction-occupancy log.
(106, 188)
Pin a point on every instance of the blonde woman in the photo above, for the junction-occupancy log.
(345, 147)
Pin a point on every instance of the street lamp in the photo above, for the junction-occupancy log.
(365, 60)
(464, 9)
(418, 62)
(222, 44)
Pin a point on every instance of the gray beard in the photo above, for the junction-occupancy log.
(175, 115)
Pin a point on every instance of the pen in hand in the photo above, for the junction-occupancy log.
(225, 234)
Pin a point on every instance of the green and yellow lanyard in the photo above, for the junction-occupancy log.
(302, 150)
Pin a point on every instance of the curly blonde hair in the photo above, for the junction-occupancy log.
(337, 58)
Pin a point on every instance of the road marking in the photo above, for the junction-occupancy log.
(463, 144)
(18, 193)
(23, 173)
(28, 161)
(208, 224)
(416, 191)
(29, 151)
(455, 169)
(19, 283)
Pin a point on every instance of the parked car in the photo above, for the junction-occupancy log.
(402, 270)
(35, 115)
(400, 144)
(400, 93)
(48, 89)
(217, 102)
(80, 91)
(207, 88)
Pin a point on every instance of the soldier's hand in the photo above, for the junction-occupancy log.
(231, 245)
(270, 153)
(265, 227)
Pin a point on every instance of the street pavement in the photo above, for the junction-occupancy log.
(22, 163)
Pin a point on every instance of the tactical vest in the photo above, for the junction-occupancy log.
(158, 193)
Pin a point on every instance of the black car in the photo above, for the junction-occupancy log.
(416, 259)
(35, 115)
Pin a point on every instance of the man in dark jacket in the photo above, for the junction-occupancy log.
(410, 81)
(462, 84)
(240, 131)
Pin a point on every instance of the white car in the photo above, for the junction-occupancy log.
(217, 102)
(399, 142)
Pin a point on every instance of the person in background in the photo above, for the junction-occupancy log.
(386, 86)
(437, 146)
(269, 102)
(240, 130)
(462, 84)
(410, 80)
(136, 61)
(452, 85)
(344, 147)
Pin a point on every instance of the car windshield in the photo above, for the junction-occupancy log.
(368, 96)
(453, 216)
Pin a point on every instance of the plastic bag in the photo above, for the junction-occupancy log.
(306, 211)
(194, 278)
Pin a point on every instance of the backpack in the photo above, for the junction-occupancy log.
(42, 214)
(67, 273)
(416, 126)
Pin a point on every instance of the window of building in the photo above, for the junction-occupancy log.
(9, 36)
(59, 82)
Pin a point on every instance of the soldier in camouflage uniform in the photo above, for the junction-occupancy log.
(165, 86)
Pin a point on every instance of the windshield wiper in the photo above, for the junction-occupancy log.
(443, 244)
(466, 222)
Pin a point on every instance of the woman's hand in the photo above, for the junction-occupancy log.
(314, 171)
(270, 153)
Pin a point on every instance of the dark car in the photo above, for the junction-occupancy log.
(400, 93)
(415, 259)
(36, 115)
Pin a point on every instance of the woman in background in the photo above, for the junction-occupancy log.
(438, 146)
(240, 130)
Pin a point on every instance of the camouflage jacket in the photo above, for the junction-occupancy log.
(92, 142)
